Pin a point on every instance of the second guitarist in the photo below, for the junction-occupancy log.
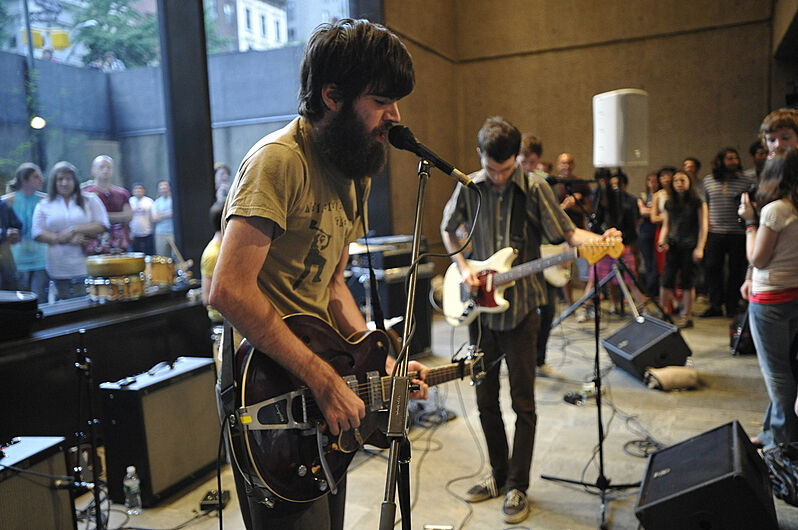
(517, 209)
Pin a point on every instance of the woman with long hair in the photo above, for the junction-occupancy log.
(683, 237)
(64, 221)
(772, 249)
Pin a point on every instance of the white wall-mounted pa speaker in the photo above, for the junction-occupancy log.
(620, 128)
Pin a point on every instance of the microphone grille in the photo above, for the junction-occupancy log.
(401, 137)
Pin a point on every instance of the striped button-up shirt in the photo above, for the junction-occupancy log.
(543, 217)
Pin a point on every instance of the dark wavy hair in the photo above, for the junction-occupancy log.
(499, 139)
(65, 167)
(719, 170)
(779, 179)
(356, 56)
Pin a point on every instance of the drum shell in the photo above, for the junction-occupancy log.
(159, 270)
(115, 265)
(19, 310)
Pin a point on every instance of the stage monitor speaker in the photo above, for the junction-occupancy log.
(165, 423)
(29, 501)
(713, 481)
(644, 343)
(620, 128)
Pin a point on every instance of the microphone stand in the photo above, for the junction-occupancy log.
(84, 366)
(399, 453)
(602, 482)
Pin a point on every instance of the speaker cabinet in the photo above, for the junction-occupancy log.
(165, 423)
(28, 501)
(713, 481)
(620, 128)
(647, 343)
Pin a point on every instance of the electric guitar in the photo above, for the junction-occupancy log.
(461, 307)
(558, 275)
(276, 438)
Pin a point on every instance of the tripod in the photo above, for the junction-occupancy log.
(602, 482)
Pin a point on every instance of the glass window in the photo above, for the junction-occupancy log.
(248, 15)
(263, 26)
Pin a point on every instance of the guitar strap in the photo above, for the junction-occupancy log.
(226, 382)
(518, 216)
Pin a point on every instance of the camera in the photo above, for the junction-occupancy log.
(751, 191)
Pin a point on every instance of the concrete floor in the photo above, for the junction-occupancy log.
(449, 457)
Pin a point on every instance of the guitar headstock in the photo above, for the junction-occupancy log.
(596, 249)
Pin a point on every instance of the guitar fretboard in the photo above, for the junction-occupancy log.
(435, 376)
(531, 267)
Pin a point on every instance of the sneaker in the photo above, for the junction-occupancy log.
(546, 370)
(684, 323)
(581, 315)
(487, 489)
(516, 506)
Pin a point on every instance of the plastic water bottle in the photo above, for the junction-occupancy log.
(52, 293)
(132, 487)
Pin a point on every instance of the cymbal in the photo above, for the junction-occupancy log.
(356, 248)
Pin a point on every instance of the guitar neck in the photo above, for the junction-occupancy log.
(531, 267)
(435, 376)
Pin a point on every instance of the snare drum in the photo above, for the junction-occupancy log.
(129, 287)
(159, 270)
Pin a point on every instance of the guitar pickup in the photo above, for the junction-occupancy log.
(287, 411)
(375, 391)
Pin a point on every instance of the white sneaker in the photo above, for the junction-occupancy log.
(581, 315)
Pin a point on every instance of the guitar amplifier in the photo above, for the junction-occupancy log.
(165, 423)
(29, 501)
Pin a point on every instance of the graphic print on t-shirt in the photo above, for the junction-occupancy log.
(314, 256)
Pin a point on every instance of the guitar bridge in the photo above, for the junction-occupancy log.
(287, 411)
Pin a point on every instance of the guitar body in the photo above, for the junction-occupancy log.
(558, 275)
(286, 460)
(461, 307)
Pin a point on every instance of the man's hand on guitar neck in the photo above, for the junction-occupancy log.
(412, 366)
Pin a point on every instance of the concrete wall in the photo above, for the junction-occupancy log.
(705, 64)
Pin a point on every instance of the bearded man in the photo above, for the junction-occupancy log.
(297, 201)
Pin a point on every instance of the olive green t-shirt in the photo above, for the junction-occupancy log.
(315, 209)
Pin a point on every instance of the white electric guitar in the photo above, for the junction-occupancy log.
(460, 306)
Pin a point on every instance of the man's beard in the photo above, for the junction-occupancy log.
(354, 151)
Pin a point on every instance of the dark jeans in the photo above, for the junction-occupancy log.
(519, 347)
(727, 292)
(546, 313)
(326, 513)
(646, 243)
(145, 244)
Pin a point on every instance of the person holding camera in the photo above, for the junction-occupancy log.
(772, 249)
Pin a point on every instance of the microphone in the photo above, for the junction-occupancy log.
(402, 138)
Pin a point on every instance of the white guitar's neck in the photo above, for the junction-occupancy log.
(531, 267)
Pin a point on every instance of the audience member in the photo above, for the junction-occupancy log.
(64, 221)
(208, 260)
(772, 249)
(726, 240)
(529, 158)
(29, 255)
(162, 216)
(222, 180)
(112, 64)
(116, 201)
(646, 235)
(545, 166)
(759, 154)
(10, 227)
(615, 208)
(575, 200)
(692, 166)
(683, 237)
(141, 225)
